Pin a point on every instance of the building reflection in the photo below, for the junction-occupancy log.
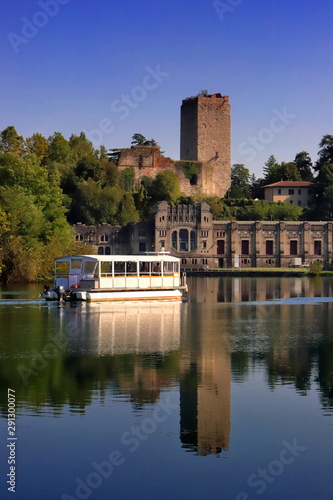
(205, 383)
(243, 289)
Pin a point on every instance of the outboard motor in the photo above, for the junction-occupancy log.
(61, 292)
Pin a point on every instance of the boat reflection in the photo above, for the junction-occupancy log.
(123, 328)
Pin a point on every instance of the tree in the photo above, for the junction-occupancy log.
(166, 187)
(325, 153)
(11, 142)
(60, 150)
(127, 210)
(88, 167)
(324, 179)
(81, 147)
(283, 171)
(140, 140)
(269, 167)
(257, 187)
(240, 182)
(37, 144)
(304, 164)
(127, 179)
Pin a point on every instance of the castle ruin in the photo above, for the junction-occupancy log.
(205, 157)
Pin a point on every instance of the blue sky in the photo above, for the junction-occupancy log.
(114, 69)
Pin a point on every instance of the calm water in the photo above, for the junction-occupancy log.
(227, 396)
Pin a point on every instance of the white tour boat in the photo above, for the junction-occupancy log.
(117, 277)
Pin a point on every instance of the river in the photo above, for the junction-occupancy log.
(227, 395)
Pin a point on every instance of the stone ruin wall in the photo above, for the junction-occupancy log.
(148, 161)
(205, 140)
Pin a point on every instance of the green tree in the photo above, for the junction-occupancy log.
(283, 171)
(325, 154)
(166, 187)
(140, 140)
(88, 167)
(127, 179)
(240, 182)
(257, 188)
(37, 144)
(59, 148)
(304, 164)
(81, 147)
(269, 167)
(127, 210)
(11, 142)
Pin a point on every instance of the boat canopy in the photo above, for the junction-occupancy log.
(158, 257)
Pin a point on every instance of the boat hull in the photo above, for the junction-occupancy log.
(114, 295)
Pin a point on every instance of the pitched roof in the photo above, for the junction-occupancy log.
(290, 184)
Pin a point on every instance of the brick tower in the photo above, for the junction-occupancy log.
(205, 137)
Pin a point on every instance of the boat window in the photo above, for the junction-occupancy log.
(90, 267)
(76, 263)
(168, 268)
(119, 268)
(131, 268)
(106, 269)
(145, 268)
(62, 267)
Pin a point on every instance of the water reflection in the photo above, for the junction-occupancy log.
(233, 289)
(58, 356)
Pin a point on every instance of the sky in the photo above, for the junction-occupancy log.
(113, 69)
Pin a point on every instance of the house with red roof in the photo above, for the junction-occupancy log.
(300, 193)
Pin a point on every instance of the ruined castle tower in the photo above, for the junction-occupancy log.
(205, 138)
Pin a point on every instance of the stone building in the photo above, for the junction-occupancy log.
(190, 233)
(300, 193)
(204, 166)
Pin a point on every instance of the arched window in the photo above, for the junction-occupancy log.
(100, 251)
(104, 238)
(174, 239)
(107, 251)
(78, 237)
(183, 240)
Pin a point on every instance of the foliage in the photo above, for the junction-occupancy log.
(88, 167)
(325, 154)
(127, 179)
(140, 140)
(127, 210)
(283, 171)
(243, 209)
(257, 191)
(240, 182)
(11, 142)
(304, 165)
(59, 148)
(37, 144)
(165, 187)
(316, 268)
(81, 147)
(190, 169)
(218, 208)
